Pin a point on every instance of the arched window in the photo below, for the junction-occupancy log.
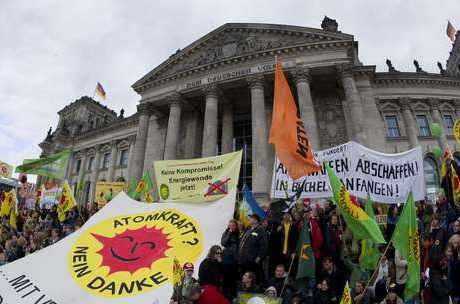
(121, 179)
(430, 169)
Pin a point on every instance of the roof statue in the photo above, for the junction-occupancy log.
(418, 69)
(441, 69)
(329, 25)
(391, 68)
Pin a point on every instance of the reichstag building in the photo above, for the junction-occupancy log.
(216, 95)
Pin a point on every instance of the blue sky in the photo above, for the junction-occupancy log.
(53, 52)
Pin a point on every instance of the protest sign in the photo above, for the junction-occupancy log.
(106, 191)
(5, 170)
(49, 197)
(388, 178)
(196, 180)
(122, 254)
(381, 219)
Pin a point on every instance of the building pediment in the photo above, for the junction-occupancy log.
(233, 40)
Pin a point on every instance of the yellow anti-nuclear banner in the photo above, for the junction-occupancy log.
(5, 170)
(197, 180)
(457, 129)
(105, 191)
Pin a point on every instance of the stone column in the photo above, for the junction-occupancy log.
(227, 128)
(191, 135)
(141, 140)
(374, 127)
(132, 140)
(81, 177)
(437, 117)
(95, 173)
(69, 168)
(210, 122)
(113, 161)
(260, 161)
(172, 134)
(307, 109)
(409, 122)
(353, 100)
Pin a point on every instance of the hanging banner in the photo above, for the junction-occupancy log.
(50, 197)
(388, 178)
(123, 254)
(196, 180)
(106, 191)
(5, 170)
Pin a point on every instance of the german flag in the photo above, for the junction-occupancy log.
(100, 91)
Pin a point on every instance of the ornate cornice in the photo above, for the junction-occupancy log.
(415, 79)
(308, 40)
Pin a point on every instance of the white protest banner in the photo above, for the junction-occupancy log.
(388, 178)
(123, 254)
(49, 198)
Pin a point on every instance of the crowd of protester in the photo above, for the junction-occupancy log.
(262, 258)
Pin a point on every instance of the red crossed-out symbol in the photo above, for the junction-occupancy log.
(217, 187)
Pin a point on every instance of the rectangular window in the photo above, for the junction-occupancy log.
(78, 166)
(392, 126)
(449, 124)
(423, 125)
(90, 164)
(106, 161)
(123, 158)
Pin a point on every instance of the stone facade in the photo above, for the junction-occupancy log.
(215, 96)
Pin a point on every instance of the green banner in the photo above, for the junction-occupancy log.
(51, 166)
(197, 180)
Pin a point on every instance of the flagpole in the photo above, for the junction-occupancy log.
(287, 276)
(378, 264)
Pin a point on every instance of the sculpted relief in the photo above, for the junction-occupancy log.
(229, 45)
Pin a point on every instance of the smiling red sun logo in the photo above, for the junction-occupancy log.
(132, 250)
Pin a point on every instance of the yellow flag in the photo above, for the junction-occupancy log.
(346, 296)
(66, 202)
(7, 203)
(14, 209)
(178, 273)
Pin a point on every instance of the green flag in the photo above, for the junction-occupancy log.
(407, 241)
(360, 224)
(370, 254)
(51, 166)
(306, 266)
(132, 188)
(143, 189)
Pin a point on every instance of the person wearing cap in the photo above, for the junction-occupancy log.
(253, 247)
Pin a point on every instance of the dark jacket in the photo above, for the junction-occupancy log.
(293, 237)
(230, 241)
(210, 272)
(336, 279)
(324, 297)
(253, 244)
(440, 289)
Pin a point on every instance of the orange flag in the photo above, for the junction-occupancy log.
(287, 132)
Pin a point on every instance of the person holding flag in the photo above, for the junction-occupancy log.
(66, 201)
